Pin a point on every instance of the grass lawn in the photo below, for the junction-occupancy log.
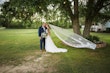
(19, 53)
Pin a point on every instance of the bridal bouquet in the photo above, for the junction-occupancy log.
(43, 35)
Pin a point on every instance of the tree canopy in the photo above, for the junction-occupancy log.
(71, 10)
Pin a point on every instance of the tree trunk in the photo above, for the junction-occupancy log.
(75, 20)
(7, 23)
(86, 31)
(73, 16)
(76, 27)
(89, 17)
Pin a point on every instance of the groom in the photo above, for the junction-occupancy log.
(42, 35)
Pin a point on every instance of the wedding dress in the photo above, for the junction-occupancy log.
(51, 47)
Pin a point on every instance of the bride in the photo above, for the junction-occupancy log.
(50, 46)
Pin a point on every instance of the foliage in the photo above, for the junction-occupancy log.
(94, 39)
(19, 10)
(63, 24)
(23, 10)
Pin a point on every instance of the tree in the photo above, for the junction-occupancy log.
(7, 14)
(67, 8)
(74, 16)
(93, 9)
(19, 10)
(24, 9)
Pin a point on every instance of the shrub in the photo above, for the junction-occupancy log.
(94, 39)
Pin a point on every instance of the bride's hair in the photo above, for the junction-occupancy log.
(48, 28)
(47, 25)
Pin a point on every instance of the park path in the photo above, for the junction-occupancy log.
(32, 64)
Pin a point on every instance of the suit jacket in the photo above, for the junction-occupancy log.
(41, 30)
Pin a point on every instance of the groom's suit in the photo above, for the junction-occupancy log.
(42, 40)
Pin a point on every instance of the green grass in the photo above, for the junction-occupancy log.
(16, 44)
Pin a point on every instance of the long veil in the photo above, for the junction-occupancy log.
(72, 39)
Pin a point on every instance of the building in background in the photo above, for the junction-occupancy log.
(99, 27)
(107, 25)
